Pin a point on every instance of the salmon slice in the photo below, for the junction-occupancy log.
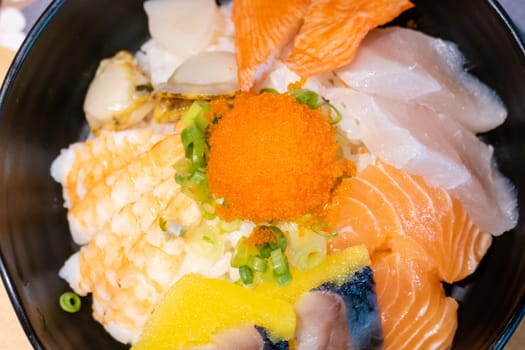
(415, 313)
(262, 31)
(333, 30)
(382, 203)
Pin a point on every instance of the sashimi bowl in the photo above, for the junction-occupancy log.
(457, 68)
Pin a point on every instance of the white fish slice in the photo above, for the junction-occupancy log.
(420, 141)
(409, 66)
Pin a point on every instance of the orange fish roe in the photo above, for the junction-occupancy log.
(272, 158)
(260, 235)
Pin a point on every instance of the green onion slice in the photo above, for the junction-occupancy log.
(279, 262)
(70, 302)
(307, 97)
(269, 90)
(284, 279)
(197, 109)
(323, 229)
(246, 274)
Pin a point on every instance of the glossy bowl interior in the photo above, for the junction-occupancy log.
(41, 112)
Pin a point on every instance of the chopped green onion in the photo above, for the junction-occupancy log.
(198, 108)
(246, 274)
(307, 97)
(195, 146)
(279, 262)
(70, 302)
(265, 261)
(305, 218)
(269, 90)
(280, 240)
(311, 99)
(207, 209)
(283, 279)
(241, 255)
(205, 241)
(191, 171)
(265, 250)
(338, 114)
(323, 229)
(184, 167)
(257, 264)
(307, 249)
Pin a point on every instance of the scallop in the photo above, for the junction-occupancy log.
(201, 77)
(119, 96)
(206, 75)
(183, 27)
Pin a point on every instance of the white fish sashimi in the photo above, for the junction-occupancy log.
(410, 66)
(422, 142)
(281, 76)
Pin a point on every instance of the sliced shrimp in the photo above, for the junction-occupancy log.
(131, 262)
(83, 164)
(123, 186)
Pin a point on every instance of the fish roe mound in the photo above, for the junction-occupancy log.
(272, 158)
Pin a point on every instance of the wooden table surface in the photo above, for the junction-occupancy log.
(11, 334)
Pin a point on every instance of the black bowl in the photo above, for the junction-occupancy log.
(41, 112)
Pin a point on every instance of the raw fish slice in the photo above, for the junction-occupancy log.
(82, 165)
(124, 186)
(243, 338)
(409, 66)
(333, 30)
(321, 322)
(415, 312)
(421, 142)
(362, 311)
(262, 31)
(356, 203)
(400, 206)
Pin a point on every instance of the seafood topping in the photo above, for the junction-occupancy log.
(323, 211)
(116, 99)
(285, 149)
(183, 27)
(203, 76)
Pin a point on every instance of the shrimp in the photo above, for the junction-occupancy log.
(121, 186)
(128, 261)
(83, 164)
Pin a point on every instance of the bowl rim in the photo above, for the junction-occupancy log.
(9, 80)
(503, 336)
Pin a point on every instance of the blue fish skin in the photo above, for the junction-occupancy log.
(268, 344)
(362, 311)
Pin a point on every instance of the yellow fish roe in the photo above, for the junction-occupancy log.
(272, 158)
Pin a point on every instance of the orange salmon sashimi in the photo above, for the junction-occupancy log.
(382, 203)
(404, 289)
(333, 30)
(262, 30)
